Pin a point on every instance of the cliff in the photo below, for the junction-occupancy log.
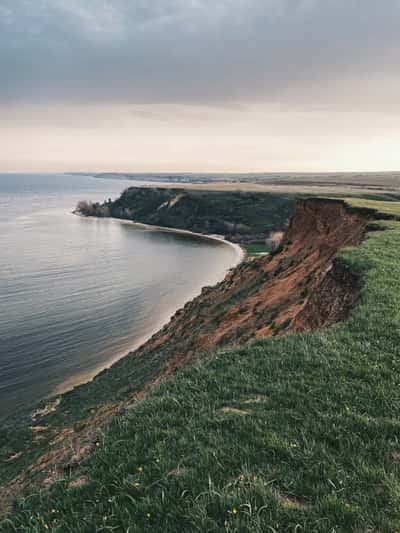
(300, 287)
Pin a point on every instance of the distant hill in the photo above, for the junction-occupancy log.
(240, 216)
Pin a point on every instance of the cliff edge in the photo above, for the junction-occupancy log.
(299, 287)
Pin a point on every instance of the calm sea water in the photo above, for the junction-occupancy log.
(77, 293)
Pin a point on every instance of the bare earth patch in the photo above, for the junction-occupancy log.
(49, 408)
(38, 429)
(78, 482)
(256, 399)
(234, 411)
(178, 471)
(14, 457)
(290, 502)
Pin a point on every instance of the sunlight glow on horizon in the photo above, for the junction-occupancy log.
(197, 139)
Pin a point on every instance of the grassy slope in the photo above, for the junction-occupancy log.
(389, 206)
(255, 249)
(311, 441)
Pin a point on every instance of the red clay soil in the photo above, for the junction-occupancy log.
(299, 288)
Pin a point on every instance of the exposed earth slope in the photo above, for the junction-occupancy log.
(295, 289)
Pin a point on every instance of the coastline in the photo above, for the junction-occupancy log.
(219, 238)
(86, 377)
(213, 237)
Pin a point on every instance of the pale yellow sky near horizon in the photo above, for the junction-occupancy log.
(175, 138)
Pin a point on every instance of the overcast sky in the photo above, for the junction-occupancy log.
(199, 85)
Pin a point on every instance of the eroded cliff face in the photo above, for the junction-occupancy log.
(299, 288)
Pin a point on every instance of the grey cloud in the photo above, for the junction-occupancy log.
(200, 51)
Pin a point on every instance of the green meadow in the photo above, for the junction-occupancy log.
(256, 249)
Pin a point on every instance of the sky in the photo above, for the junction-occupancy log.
(199, 85)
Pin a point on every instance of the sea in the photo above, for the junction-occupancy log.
(76, 294)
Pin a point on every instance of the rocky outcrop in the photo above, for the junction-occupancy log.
(331, 301)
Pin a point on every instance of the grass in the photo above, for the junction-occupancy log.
(299, 433)
(256, 249)
(389, 207)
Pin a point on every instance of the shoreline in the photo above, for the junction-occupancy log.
(219, 238)
(86, 377)
(212, 237)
